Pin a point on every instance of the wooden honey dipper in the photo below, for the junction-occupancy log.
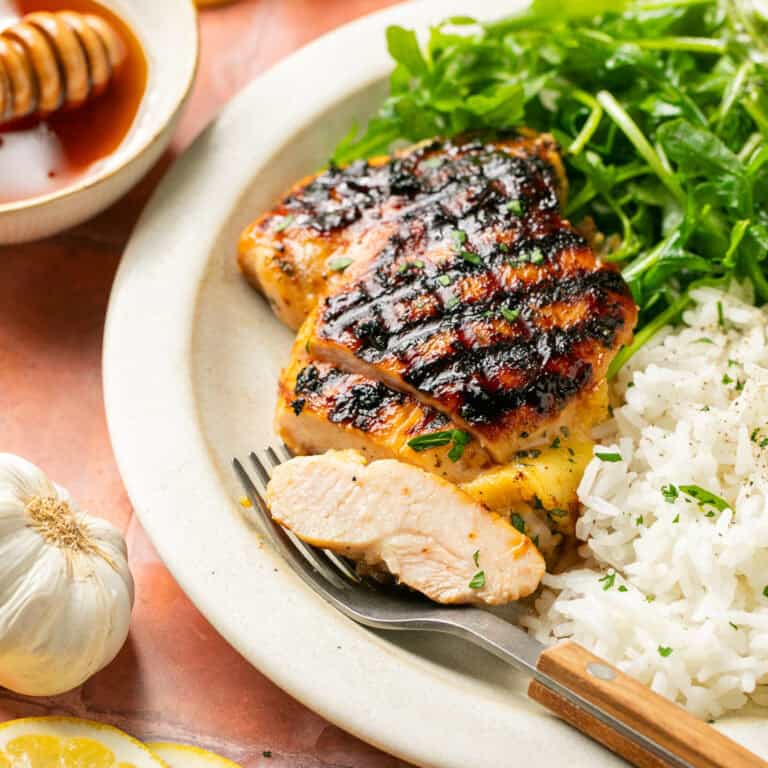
(53, 61)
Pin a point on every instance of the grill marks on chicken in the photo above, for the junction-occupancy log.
(441, 290)
(321, 406)
(288, 253)
(483, 303)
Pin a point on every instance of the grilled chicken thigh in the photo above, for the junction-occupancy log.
(424, 530)
(448, 317)
(484, 303)
(456, 281)
(321, 406)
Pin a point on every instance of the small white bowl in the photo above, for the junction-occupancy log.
(168, 33)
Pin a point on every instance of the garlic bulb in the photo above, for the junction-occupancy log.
(65, 589)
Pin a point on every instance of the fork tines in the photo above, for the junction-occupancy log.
(296, 552)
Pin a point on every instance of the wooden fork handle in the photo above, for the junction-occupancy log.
(668, 725)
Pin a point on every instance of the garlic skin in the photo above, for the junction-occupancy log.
(66, 592)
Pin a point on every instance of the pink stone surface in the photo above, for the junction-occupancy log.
(176, 678)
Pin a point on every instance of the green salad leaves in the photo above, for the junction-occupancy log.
(660, 107)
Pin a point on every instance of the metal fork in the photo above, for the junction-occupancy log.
(583, 689)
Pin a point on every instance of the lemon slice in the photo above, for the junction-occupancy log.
(66, 742)
(182, 756)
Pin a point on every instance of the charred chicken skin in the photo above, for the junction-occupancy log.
(447, 274)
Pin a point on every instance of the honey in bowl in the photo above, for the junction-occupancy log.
(40, 155)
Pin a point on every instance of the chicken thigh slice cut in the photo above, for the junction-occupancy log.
(426, 532)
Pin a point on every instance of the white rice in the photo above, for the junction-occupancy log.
(676, 593)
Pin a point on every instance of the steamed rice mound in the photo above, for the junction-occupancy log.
(675, 588)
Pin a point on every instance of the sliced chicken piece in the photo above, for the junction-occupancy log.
(321, 407)
(427, 533)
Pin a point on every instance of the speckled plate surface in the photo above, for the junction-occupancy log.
(190, 364)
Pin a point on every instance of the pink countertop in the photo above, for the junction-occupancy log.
(175, 679)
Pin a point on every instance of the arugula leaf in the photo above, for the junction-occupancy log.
(403, 47)
(660, 107)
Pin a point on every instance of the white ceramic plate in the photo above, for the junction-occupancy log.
(191, 359)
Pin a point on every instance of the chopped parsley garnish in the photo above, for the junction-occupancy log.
(460, 439)
(504, 248)
(677, 518)
(406, 265)
(763, 443)
(664, 651)
(531, 453)
(720, 314)
(339, 264)
(459, 237)
(536, 256)
(755, 433)
(639, 520)
(267, 753)
(727, 379)
(516, 207)
(555, 443)
(740, 383)
(285, 222)
(510, 314)
(444, 280)
(608, 580)
(650, 598)
(670, 493)
(557, 513)
(471, 258)
(476, 558)
(518, 522)
(478, 580)
(610, 457)
(704, 340)
(733, 625)
(457, 437)
(765, 591)
(704, 497)
(452, 302)
(622, 588)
